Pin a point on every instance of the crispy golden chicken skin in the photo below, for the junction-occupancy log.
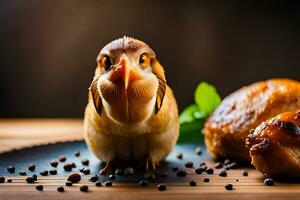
(275, 146)
(228, 127)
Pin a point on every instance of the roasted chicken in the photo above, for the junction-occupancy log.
(228, 127)
(275, 146)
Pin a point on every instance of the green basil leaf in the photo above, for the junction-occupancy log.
(190, 114)
(207, 98)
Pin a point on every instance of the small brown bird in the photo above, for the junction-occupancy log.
(131, 115)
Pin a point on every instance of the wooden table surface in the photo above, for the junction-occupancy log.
(18, 133)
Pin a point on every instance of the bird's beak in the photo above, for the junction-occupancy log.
(125, 72)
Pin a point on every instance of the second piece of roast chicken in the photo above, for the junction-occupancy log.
(275, 146)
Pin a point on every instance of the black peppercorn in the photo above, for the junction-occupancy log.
(192, 183)
(223, 173)
(31, 167)
(22, 173)
(161, 187)
(84, 188)
(68, 183)
(30, 179)
(44, 173)
(189, 164)
(85, 161)
(39, 187)
(108, 183)
(268, 182)
(62, 158)
(2, 179)
(11, 169)
(94, 178)
(209, 170)
(60, 189)
(54, 163)
(98, 183)
(228, 186)
(206, 180)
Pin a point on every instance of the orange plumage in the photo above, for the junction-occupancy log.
(131, 114)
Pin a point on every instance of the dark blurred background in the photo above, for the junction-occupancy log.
(48, 48)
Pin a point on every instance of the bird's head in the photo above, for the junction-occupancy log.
(129, 83)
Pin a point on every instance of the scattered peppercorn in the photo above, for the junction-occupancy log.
(77, 153)
(34, 176)
(73, 165)
(68, 167)
(86, 171)
(245, 173)
(53, 171)
(74, 177)
(84, 188)
(30, 179)
(229, 186)
(189, 164)
(94, 178)
(39, 187)
(9, 180)
(68, 183)
(209, 170)
(11, 169)
(98, 183)
(44, 173)
(268, 182)
(143, 183)
(108, 183)
(31, 167)
(223, 173)
(203, 167)
(54, 163)
(192, 183)
(198, 170)
(62, 158)
(181, 173)
(161, 187)
(198, 151)
(206, 180)
(174, 168)
(22, 173)
(2, 179)
(60, 189)
(202, 164)
(85, 161)
(179, 155)
(218, 165)
(237, 180)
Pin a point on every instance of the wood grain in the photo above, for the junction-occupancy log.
(18, 133)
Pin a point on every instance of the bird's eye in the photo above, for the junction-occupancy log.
(106, 62)
(144, 60)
